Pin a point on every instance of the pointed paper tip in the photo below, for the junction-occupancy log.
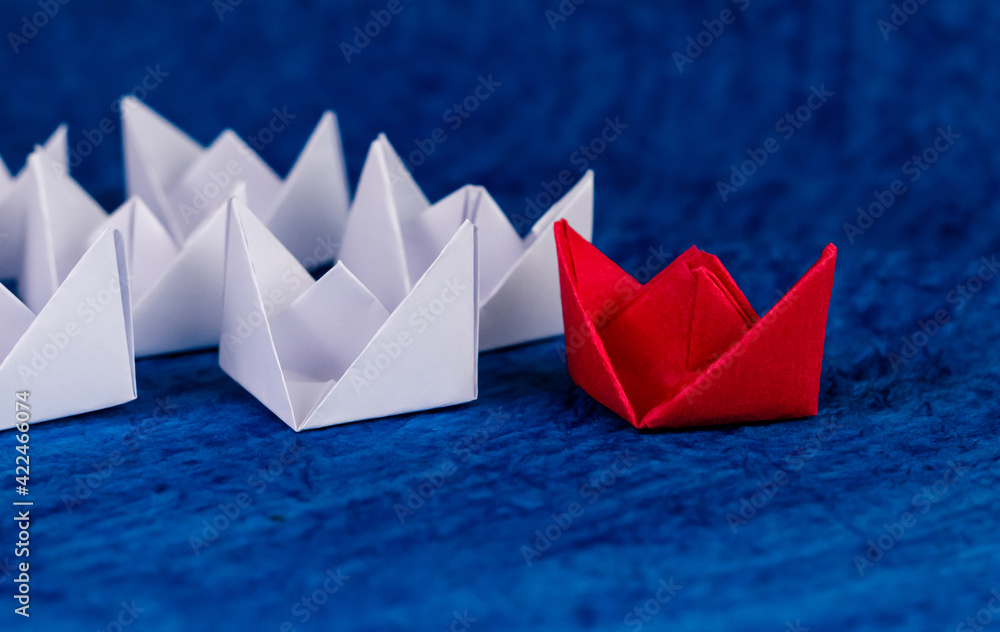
(577, 206)
(239, 192)
(324, 139)
(135, 205)
(386, 148)
(568, 235)
(378, 149)
(40, 164)
(58, 138)
(328, 119)
(129, 104)
(228, 135)
(235, 231)
(467, 227)
(561, 232)
(119, 240)
(61, 130)
(107, 234)
(327, 128)
(56, 146)
(235, 206)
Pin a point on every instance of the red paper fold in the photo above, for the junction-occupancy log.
(687, 349)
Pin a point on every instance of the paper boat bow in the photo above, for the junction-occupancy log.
(393, 232)
(326, 352)
(174, 225)
(687, 349)
(76, 355)
(182, 182)
(13, 208)
(177, 292)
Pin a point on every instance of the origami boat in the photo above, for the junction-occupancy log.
(319, 353)
(392, 233)
(182, 182)
(177, 292)
(59, 220)
(12, 208)
(76, 355)
(175, 247)
(687, 349)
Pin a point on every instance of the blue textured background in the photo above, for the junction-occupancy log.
(665, 515)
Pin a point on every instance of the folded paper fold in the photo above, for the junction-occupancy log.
(393, 232)
(16, 193)
(173, 225)
(76, 355)
(319, 353)
(687, 348)
(183, 182)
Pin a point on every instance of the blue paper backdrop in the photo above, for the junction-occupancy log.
(903, 454)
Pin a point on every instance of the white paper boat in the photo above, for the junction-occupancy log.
(176, 250)
(176, 292)
(319, 353)
(182, 182)
(13, 210)
(393, 231)
(76, 355)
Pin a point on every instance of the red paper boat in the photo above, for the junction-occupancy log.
(686, 349)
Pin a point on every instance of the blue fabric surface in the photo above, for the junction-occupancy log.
(121, 493)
